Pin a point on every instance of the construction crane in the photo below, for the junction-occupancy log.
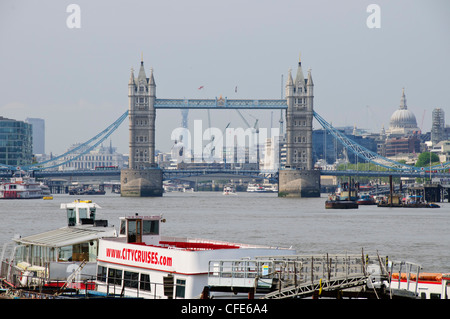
(255, 129)
(421, 123)
(224, 147)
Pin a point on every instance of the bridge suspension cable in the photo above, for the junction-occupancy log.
(79, 151)
(370, 156)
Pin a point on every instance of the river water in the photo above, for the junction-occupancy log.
(419, 235)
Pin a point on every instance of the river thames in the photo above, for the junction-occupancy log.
(418, 235)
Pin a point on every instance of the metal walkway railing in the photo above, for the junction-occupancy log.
(295, 276)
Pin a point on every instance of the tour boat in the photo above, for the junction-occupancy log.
(140, 263)
(21, 188)
(255, 188)
(49, 259)
(264, 188)
(271, 188)
(229, 190)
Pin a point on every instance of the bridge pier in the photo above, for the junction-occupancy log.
(141, 182)
(298, 183)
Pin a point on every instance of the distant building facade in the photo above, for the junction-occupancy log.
(402, 145)
(38, 129)
(101, 157)
(442, 149)
(438, 126)
(15, 142)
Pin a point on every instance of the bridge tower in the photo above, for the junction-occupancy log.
(299, 179)
(142, 178)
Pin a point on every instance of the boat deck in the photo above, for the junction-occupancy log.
(190, 244)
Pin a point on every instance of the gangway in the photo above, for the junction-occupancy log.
(296, 276)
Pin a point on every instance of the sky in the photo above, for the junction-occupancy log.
(76, 78)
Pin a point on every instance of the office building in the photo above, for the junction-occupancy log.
(38, 129)
(15, 142)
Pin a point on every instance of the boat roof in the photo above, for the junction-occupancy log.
(66, 236)
(79, 203)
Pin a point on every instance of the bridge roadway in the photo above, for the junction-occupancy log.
(99, 176)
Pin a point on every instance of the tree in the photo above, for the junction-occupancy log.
(424, 159)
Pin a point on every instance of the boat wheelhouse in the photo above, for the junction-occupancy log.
(49, 258)
(142, 263)
(366, 199)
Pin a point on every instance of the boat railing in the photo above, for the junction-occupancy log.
(17, 277)
(278, 272)
(38, 276)
(259, 274)
(407, 270)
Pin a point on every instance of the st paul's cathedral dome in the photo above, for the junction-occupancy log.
(403, 121)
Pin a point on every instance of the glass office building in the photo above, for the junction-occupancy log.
(16, 142)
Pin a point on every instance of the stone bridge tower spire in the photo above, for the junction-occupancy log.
(299, 118)
(143, 177)
(299, 179)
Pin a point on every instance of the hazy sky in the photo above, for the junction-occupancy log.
(76, 78)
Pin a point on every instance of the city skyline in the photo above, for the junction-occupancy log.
(76, 78)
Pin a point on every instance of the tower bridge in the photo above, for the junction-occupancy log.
(298, 179)
(144, 178)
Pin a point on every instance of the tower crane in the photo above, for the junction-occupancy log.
(255, 129)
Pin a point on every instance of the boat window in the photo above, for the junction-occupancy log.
(150, 227)
(92, 213)
(122, 227)
(71, 217)
(435, 296)
(134, 231)
(130, 279)
(115, 276)
(21, 253)
(181, 288)
(145, 282)
(445, 292)
(65, 253)
(82, 212)
(82, 252)
(168, 284)
(101, 273)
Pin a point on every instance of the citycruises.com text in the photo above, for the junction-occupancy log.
(138, 255)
